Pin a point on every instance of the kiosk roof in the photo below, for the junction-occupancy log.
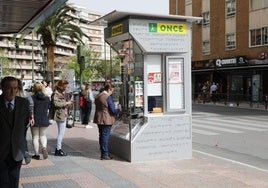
(118, 15)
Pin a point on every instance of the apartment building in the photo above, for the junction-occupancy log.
(229, 46)
(25, 58)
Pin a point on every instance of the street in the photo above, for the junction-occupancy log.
(231, 133)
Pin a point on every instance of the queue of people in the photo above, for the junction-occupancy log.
(20, 110)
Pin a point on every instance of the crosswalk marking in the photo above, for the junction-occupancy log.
(217, 128)
(204, 132)
(242, 122)
(215, 124)
(254, 123)
(232, 124)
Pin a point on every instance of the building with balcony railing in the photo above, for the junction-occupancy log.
(23, 58)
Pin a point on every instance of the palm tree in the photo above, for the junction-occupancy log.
(60, 23)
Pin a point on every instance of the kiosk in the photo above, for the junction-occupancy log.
(155, 95)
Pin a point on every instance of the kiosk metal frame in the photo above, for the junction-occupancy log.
(155, 53)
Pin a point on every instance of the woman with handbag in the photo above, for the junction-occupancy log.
(60, 112)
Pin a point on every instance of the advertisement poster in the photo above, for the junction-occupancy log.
(175, 86)
(175, 72)
(154, 77)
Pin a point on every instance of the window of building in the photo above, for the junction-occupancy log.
(188, 2)
(265, 35)
(206, 18)
(230, 41)
(230, 8)
(206, 47)
(258, 4)
(259, 37)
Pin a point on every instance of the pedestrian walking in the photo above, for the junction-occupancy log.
(105, 117)
(41, 120)
(213, 90)
(14, 119)
(59, 112)
(82, 103)
(27, 95)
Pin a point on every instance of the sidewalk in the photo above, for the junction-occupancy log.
(83, 168)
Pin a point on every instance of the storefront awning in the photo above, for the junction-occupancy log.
(21, 16)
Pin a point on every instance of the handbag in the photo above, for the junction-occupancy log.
(70, 122)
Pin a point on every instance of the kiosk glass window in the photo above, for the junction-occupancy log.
(131, 76)
(131, 90)
(175, 84)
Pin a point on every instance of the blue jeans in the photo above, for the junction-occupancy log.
(104, 134)
(61, 131)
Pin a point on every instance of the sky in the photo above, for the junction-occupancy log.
(138, 6)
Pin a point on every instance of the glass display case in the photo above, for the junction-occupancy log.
(131, 89)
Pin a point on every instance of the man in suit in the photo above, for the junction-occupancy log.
(14, 118)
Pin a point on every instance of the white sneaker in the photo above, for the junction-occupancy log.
(88, 127)
(51, 121)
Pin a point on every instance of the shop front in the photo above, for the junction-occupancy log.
(237, 78)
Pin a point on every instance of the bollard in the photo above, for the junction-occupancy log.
(76, 107)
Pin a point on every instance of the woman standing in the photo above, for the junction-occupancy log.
(59, 112)
(41, 120)
(105, 118)
(88, 100)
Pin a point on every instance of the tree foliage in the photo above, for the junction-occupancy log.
(95, 67)
(60, 23)
(6, 69)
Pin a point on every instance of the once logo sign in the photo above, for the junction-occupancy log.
(167, 28)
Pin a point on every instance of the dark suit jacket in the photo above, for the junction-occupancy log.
(14, 138)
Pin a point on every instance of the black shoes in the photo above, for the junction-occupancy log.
(27, 158)
(36, 157)
(60, 152)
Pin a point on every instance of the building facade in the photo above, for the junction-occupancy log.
(24, 58)
(230, 46)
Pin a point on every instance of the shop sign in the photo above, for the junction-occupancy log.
(167, 28)
(236, 61)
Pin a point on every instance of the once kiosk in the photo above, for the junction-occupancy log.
(155, 53)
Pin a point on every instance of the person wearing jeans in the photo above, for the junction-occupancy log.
(104, 134)
(105, 117)
(59, 112)
(61, 131)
